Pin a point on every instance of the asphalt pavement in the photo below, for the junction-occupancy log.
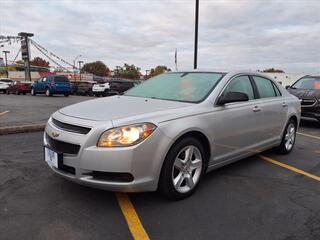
(250, 199)
(26, 109)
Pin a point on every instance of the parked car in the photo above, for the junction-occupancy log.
(85, 88)
(307, 89)
(101, 89)
(51, 85)
(4, 84)
(169, 131)
(113, 87)
(120, 86)
(18, 87)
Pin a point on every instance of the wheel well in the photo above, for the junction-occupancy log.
(201, 137)
(295, 119)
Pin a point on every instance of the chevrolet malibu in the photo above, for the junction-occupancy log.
(168, 132)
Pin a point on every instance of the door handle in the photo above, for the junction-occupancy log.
(256, 109)
(284, 104)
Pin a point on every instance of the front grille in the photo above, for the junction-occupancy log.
(70, 128)
(308, 102)
(62, 147)
(112, 176)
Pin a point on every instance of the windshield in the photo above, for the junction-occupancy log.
(307, 83)
(185, 87)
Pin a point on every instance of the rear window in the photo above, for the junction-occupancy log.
(61, 79)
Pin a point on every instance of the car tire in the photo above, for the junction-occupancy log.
(66, 94)
(33, 92)
(24, 93)
(48, 93)
(7, 92)
(289, 137)
(181, 172)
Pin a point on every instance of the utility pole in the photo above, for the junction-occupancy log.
(118, 67)
(75, 59)
(25, 53)
(80, 68)
(195, 63)
(6, 61)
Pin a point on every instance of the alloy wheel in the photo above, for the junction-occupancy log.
(187, 169)
(290, 136)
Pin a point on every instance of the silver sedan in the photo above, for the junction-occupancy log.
(168, 132)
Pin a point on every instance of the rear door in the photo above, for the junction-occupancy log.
(273, 110)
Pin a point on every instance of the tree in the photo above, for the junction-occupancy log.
(128, 71)
(97, 68)
(40, 62)
(273, 70)
(158, 70)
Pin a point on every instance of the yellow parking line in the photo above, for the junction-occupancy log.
(290, 168)
(3, 113)
(309, 135)
(135, 226)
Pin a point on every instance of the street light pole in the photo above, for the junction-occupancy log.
(80, 68)
(195, 63)
(6, 60)
(74, 60)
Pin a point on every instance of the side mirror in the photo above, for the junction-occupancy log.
(288, 86)
(232, 97)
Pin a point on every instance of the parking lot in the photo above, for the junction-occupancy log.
(268, 196)
(27, 109)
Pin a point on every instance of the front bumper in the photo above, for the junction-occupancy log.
(142, 161)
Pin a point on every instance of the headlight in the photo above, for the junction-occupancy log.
(126, 135)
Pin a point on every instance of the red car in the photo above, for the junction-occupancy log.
(18, 87)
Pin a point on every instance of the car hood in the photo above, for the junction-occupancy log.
(118, 107)
(305, 93)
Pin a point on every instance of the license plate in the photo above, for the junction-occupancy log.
(51, 157)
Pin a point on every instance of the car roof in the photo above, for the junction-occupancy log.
(228, 73)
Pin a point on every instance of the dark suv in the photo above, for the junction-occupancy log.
(52, 85)
(85, 88)
(120, 86)
(307, 89)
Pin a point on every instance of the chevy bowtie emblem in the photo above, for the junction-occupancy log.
(55, 134)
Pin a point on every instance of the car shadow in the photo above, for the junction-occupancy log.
(309, 123)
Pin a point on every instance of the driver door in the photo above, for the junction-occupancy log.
(235, 125)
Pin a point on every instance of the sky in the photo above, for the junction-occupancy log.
(233, 34)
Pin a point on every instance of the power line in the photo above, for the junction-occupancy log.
(59, 65)
(50, 53)
(17, 55)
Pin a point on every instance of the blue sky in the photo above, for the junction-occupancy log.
(233, 34)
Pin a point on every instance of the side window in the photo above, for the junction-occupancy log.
(240, 84)
(265, 87)
(278, 93)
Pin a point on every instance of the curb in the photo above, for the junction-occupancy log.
(22, 129)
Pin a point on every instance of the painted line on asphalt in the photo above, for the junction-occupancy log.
(3, 113)
(308, 135)
(135, 226)
(293, 169)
